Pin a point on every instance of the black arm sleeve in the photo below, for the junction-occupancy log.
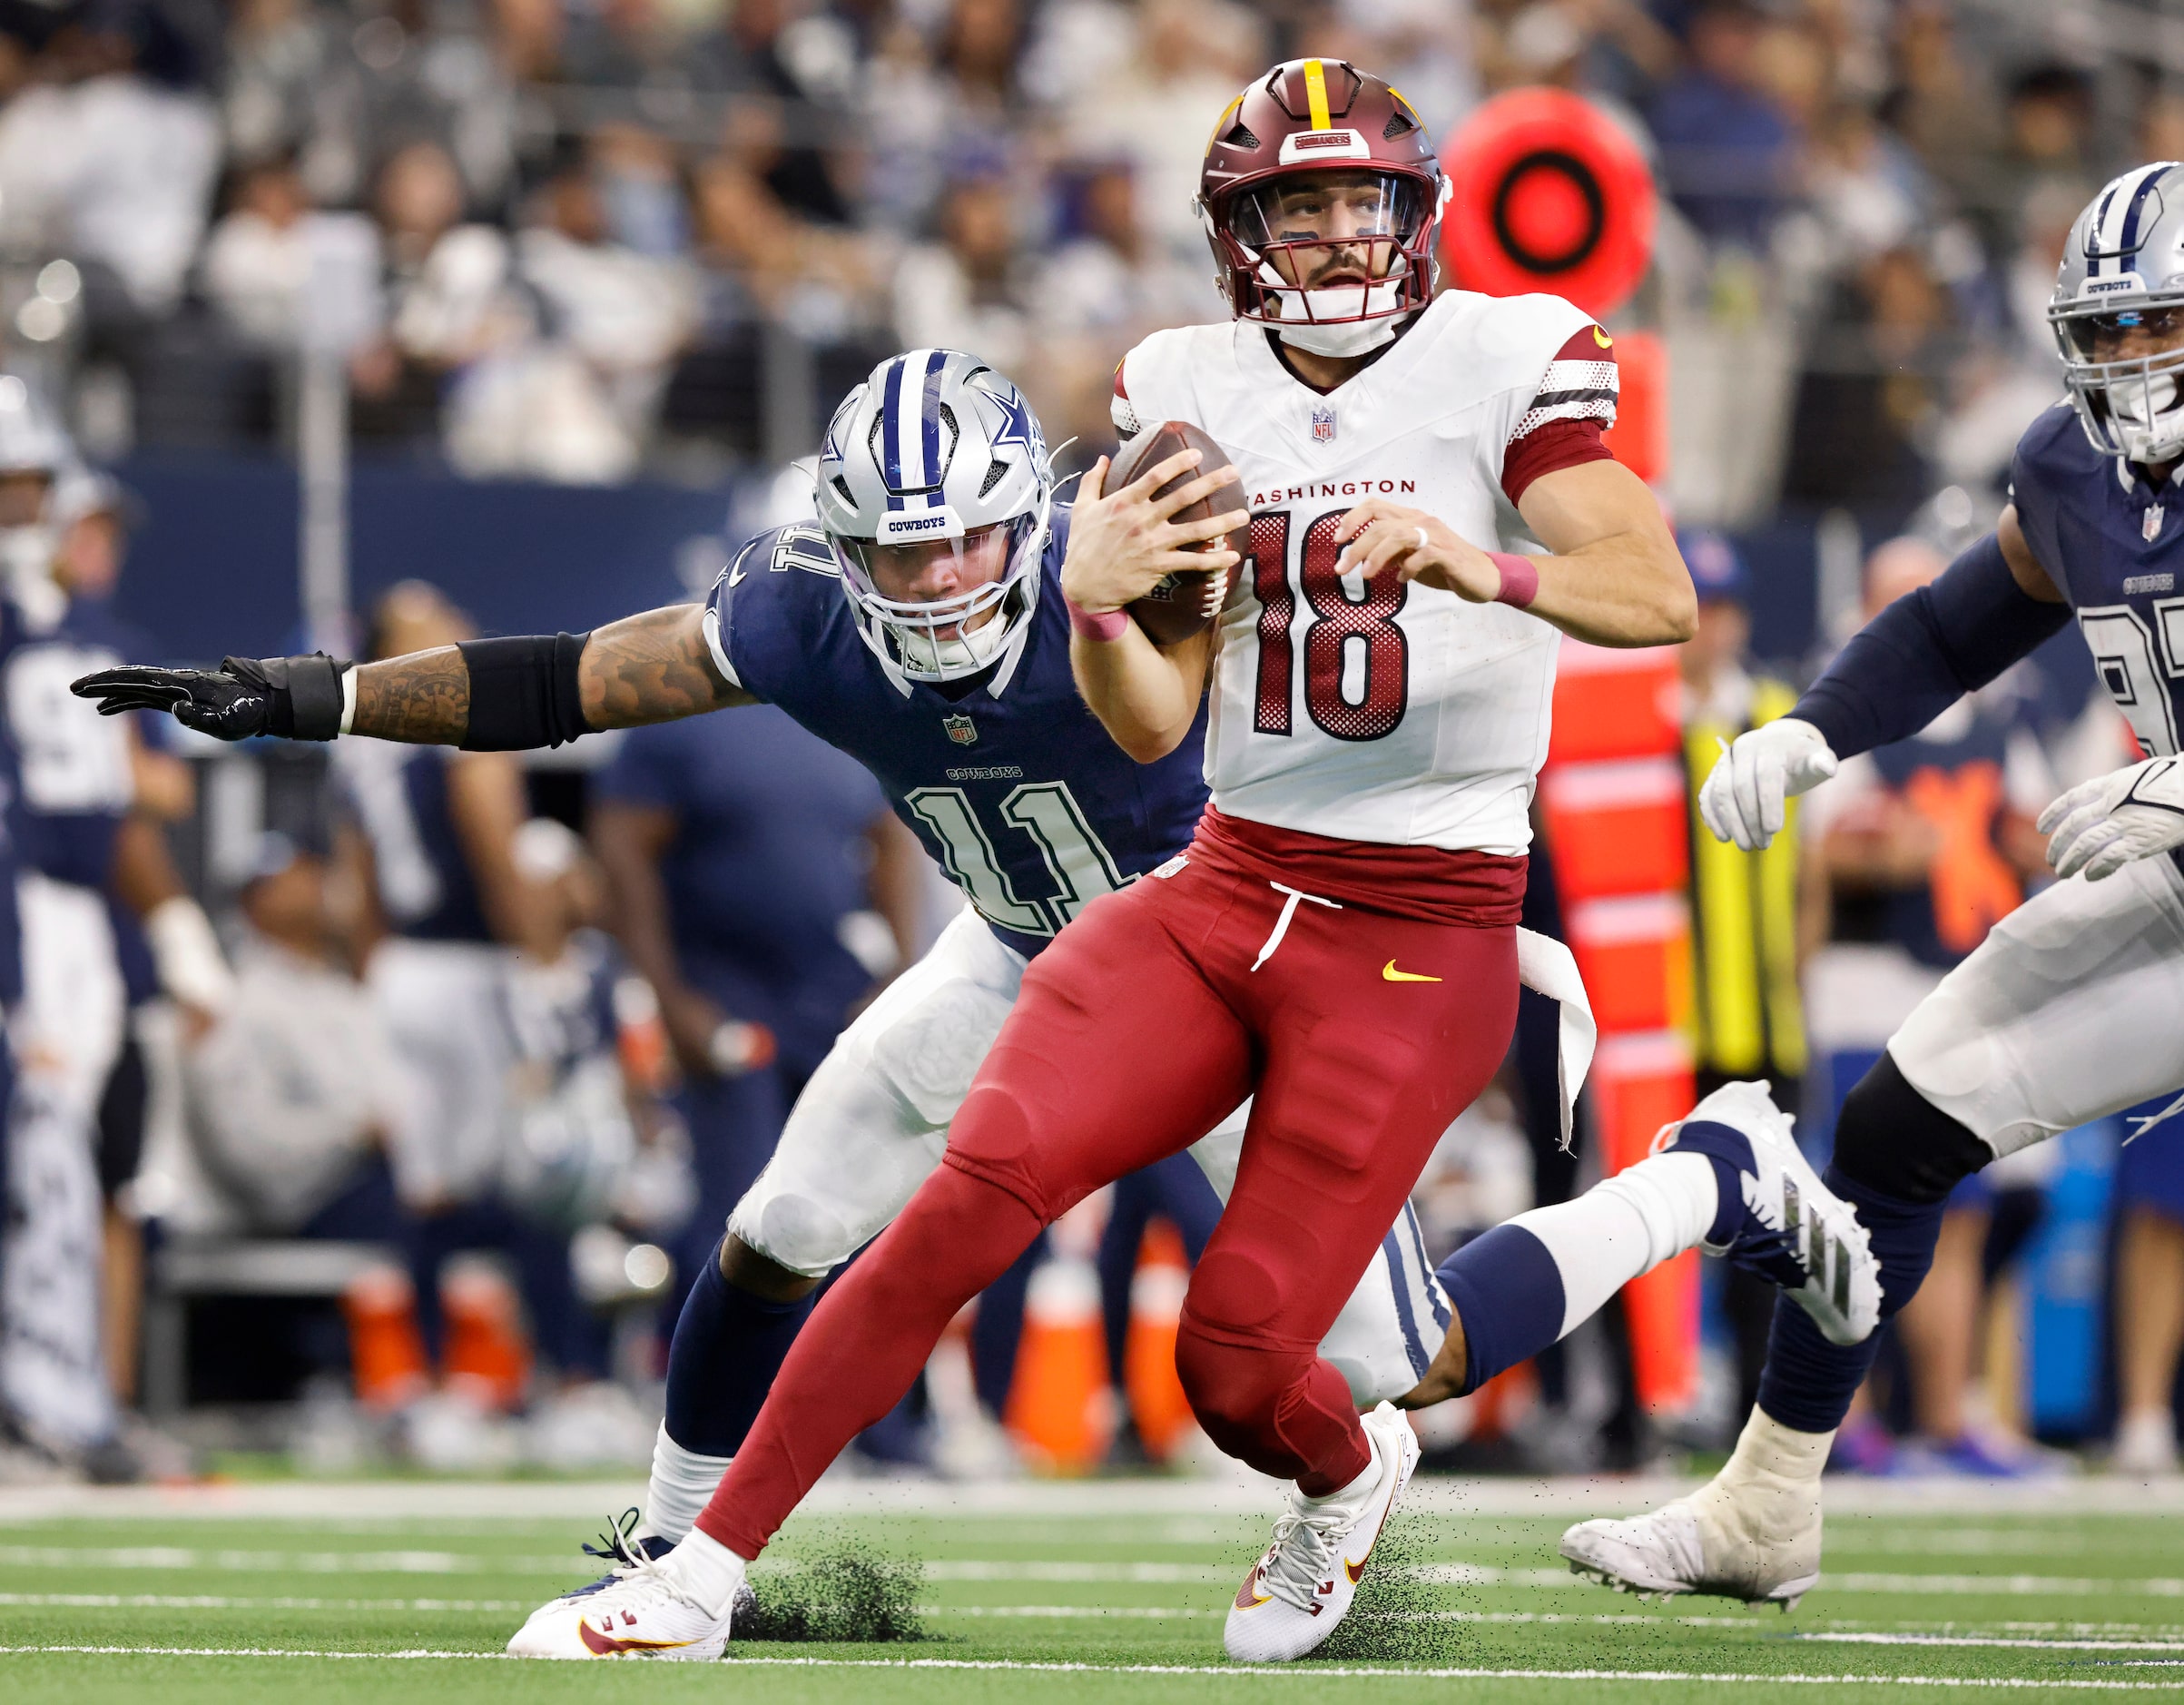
(524, 692)
(1926, 650)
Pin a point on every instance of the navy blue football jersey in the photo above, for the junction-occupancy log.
(1021, 796)
(2114, 545)
(73, 784)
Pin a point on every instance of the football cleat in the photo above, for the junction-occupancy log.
(620, 1546)
(1795, 1232)
(635, 1610)
(1298, 1592)
(1752, 1533)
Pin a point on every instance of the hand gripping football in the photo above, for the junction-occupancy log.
(1181, 605)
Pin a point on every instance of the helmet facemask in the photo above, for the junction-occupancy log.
(2130, 406)
(1332, 261)
(950, 637)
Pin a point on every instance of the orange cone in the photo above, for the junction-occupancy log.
(1061, 1409)
(1156, 1401)
(486, 1348)
(386, 1354)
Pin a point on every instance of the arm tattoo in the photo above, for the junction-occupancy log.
(653, 668)
(423, 699)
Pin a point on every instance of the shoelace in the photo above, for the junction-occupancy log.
(615, 1548)
(1302, 1555)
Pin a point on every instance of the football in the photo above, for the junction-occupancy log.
(1181, 605)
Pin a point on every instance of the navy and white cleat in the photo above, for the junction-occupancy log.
(1795, 1231)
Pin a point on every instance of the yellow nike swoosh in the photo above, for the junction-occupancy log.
(1602, 338)
(1389, 974)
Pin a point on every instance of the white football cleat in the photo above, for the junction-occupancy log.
(1796, 1233)
(1300, 1591)
(620, 1548)
(645, 1612)
(1751, 1533)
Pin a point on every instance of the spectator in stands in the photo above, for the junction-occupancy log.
(1913, 852)
(1726, 148)
(290, 1098)
(968, 291)
(99, 161)
(1871, 389)
(2149, 1300)
(284, 271)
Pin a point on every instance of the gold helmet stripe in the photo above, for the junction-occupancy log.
(1315, 91)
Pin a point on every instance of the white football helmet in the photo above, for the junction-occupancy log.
(2123, 268)
(936, 445)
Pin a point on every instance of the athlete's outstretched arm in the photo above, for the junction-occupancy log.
(1614, 577)
(488, 695)
(1121, 544)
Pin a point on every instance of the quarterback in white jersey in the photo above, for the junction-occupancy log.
(1403, 713)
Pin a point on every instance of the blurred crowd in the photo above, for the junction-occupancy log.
(575, 239)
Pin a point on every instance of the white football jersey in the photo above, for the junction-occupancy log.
(1377, 711)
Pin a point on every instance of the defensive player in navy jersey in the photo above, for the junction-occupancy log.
(2067, 1011)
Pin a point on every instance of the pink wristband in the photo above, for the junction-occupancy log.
(1108, 626)
(1519, 578)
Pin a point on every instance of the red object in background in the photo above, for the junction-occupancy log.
(1612, 703)
(1616, 828)
(1640, 1083)
(1640, 436)
(1634, 952)
(1162, 1414)
(386, 1354)
(486, 1350)
(1549, 194)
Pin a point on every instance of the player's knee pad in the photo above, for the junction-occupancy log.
(1232, 1388)
(793, 1227)
(1892, 1140)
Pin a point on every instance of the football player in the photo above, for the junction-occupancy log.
(921, 626)
(2066, 1012)
(1340, 934)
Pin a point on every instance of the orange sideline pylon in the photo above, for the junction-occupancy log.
(1061, 1409)
(485, 1347)
(1156, 1401)
(1640, 1083)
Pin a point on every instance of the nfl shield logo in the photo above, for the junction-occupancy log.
(2152, 523)
(1322, 425)
(960, 729)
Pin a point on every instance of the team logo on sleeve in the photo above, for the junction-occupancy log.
(961, 728)
(1322, 425)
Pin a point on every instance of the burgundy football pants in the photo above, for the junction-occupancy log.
(1145, 1024)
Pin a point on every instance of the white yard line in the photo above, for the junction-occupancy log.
(1850, 1639)
(1240, 1673)
(1240, 1494)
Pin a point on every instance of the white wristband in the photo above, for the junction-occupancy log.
(349, 698)
(191, 968)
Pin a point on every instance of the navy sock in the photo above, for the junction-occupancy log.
(1808, 1382)
(1507, 1291)
(727, 1347)
(1730, 1150)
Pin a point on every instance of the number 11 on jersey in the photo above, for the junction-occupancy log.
(1357, 660)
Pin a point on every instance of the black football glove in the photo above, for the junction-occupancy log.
(293, 698)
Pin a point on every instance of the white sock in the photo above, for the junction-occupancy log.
(707, 1571)
(682, 1485)
(1623, 1227)
(1768, 1453)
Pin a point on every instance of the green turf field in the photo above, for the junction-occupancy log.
(1088, 1592)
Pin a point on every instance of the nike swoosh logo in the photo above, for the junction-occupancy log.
(1248, 1595)
(607, 1646)
(1389, 974)
(1356, 1571)
(736, 574)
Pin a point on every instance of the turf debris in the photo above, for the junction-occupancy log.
(843, 1592)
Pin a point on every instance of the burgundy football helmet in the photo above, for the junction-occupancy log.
(1313, 159)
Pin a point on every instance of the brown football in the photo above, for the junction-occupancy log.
(1181, 603)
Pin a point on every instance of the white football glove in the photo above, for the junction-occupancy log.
(2101, 825)
(1743, 799)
